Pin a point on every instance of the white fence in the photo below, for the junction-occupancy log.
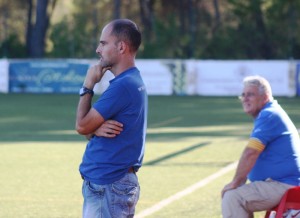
(161, 76)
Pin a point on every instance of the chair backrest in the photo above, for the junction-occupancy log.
(290, 200)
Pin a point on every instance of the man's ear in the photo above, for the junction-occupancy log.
(266, 98)
(122, 46)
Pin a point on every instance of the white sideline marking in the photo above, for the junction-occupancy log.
(186, 191)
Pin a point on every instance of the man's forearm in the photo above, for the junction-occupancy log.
(83, 108)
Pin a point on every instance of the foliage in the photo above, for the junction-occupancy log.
(12, 47)
(157, 47)
(12, 29)
(229, 29)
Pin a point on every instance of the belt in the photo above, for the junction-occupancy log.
(130, 170)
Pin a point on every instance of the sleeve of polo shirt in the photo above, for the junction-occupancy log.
(255, 144)
(113, 100)
(264, 130)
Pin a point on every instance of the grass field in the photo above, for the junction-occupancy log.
(188, 140)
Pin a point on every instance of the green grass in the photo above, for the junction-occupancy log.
(189, 138)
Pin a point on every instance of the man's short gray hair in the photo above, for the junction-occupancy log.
(261, 83)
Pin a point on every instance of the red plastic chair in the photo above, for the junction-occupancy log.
(290, 200)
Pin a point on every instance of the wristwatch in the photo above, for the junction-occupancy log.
(85, 90)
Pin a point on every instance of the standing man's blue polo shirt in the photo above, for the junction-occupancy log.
(107, 160)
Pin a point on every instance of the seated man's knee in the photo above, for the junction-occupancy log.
(230, 196)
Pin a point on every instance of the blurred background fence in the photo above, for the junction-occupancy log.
(162, 76)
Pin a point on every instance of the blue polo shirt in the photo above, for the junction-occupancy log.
(280, 160)
(107, 160)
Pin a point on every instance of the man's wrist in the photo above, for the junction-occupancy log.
(88, 86)
(84, 90)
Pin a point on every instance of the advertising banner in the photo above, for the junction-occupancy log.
(169, 77)
(156, 75)
(4, 76)
(46, 76)
(224, 78)
(161, 76)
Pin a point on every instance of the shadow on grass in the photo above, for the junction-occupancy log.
(199, 164)
(175, 133)
(175, 154)
(32, 117)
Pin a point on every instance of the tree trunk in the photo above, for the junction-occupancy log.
(37, 45)
(146, 11)
(262, 39)
(29, 27)
(217, 15)
(117, 9)
(192, 29)
(36, 32)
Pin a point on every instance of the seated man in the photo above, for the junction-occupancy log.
(271, 160)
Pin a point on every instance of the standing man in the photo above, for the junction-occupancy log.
(271, 160)
(115, 124)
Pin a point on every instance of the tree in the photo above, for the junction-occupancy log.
(11, 38)
(117, 9)
(253, 28)
(284, 23)
(37, 28)
(227, 29)
(147, 17)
